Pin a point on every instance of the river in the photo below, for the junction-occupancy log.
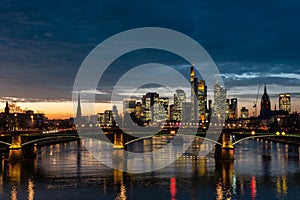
(261, 170)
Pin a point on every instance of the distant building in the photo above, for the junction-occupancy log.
(285, 102)
(265, 108)
(179, 99)
(78, 113)
(244, 113)
(148, 102)
(6, 109)
(202, 100)
(265, 105)
(186, 111)
(161, 110)
(194, 95)
(233, 109)
(219, 108)
(129, 109)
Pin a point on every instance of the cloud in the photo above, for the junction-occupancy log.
(43, 45)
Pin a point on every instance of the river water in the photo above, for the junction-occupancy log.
(261, 170)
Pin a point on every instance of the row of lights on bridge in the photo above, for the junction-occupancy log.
(277, 133)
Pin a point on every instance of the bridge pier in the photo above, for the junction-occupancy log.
(226, 151)
(15, 149)
(118, 141)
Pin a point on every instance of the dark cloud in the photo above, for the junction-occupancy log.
(43, 44)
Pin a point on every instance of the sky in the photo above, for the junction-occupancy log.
(43, 44)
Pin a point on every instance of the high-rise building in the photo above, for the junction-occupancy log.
(101, 119)
(233, 107)
(194, 95)
(129, 105)
(179, 98)
(128, 109)
(161, 110)
(148, 102)
(244, 113)
(186, 111)
(138, 110)
(171, 112)
(265, 105)
(108, 118)
(115, 114)
(202, 100)
(219, 110)
(285, 102)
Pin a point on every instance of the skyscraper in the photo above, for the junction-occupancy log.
(128, 110)
(202, 99)
(219, 110)
(285, 102)
(194, 95)
(233, 107)
(148, 102)
(179, 99)
(161, 110)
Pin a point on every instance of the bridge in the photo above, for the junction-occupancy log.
(224, 143)
(18, 141)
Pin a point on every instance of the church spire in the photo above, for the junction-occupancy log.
(6, 109)
(78, 114)
(265, 91)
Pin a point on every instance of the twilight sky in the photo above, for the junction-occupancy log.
(43, 43)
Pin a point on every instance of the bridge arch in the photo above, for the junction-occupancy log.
(47, 138)
(151, 136)
(6, 143)
(262, 136)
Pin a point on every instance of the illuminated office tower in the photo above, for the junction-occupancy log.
(202, 99)
(186, 111)
(285, 102)
(138, 110)
(219, 110)
(129, 105)
(115, 114)
(233, 107)
(108, 118)
(100, 118)
(149, 100)
(194, 95)
(179, 99)
(128, 109)
(161, 110)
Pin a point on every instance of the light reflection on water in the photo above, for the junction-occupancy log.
(261, 170)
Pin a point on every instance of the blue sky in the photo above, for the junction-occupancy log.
(43, 43)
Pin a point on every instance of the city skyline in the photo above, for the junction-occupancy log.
(39, 62)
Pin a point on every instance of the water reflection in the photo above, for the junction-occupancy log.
(30, 189)
(225, 184)
(281, 186)
(173, 189)
(260, 171)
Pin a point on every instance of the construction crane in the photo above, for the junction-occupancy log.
(255, 103)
